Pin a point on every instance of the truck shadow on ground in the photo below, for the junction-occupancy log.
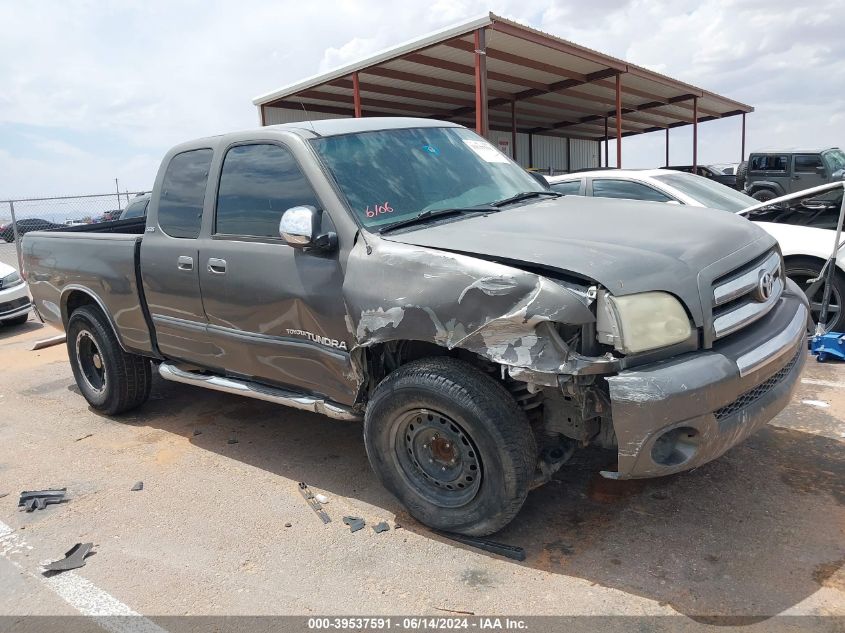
(744, 537)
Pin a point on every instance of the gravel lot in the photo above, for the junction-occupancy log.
(757, 533)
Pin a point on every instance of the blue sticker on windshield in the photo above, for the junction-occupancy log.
(431, 149)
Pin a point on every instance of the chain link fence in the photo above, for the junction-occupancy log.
(18, 217)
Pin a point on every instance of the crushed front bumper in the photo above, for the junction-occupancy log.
(678, 414)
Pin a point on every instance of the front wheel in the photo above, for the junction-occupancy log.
(452, 444)
(801, 271)
(111, 380)
(763, 195)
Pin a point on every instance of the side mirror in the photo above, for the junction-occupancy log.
(300, 228)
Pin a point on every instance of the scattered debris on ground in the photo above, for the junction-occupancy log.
(84, 437)
(48, 342)
(321, 498)
(74, 558)
(197, 432)
(139, 485)
(455, 611)
(502, 549)
(39, 499)
(315, 505)
(3, 494)
(233, 439)
(354, 523)
(287, 525)
(378, 528)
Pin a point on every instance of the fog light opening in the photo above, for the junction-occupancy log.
(675, 447)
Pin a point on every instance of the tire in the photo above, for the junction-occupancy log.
(451, 444)
(763, 195)
(111, 380)
(741, 175)
(799, 270)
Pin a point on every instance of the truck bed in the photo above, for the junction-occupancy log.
(98, 262)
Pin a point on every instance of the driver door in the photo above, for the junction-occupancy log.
(275, 313)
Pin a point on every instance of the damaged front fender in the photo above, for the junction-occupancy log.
(396, 292)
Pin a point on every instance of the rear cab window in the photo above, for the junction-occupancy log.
(183, 193)
(258, 183)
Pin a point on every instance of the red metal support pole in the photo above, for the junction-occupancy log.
(356, 95)
(606, 163)
(695, 135)
(481, 120)
(619, 120)
(742, 158)
(667, 147)
(513, 129)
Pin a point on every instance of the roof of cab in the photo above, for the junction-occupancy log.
(334, 127)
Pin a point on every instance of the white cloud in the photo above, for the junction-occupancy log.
(147, 75)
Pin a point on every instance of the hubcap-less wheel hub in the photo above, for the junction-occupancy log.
(90, 361)
(438, 458)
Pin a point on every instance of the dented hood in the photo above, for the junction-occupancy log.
(627, 246)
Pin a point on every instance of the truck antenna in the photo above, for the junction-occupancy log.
(308, 119)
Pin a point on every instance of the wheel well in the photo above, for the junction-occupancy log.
(75, 300)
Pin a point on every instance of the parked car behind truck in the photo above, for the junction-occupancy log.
(773, 173)
(406, 272)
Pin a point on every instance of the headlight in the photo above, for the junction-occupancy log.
(12, 279)
(640, 322)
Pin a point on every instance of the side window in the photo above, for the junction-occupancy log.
(807, 163)
(183, 193)
(610, 188)
(258, 184)
(768, 162)
(568, 188)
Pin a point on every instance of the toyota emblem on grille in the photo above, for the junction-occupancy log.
(765, 286)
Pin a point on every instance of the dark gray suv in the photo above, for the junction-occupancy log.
(776, 173)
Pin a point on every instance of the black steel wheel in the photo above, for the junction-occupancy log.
(801, 271)
(112, 380)
(452, 444)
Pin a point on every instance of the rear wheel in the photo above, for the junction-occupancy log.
(451, 444)
(111, 380)
(801, 271)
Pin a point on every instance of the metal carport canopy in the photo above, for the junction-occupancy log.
(495, 74)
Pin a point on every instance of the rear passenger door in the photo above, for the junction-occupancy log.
(169, 258)
(276, 313)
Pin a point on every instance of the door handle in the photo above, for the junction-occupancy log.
(216, 266)
(185, 263)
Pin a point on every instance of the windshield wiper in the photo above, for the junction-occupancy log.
(424, 216)
(525, 195)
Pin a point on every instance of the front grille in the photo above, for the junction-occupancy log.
(15, 304)
(738, 298)
(753, 395)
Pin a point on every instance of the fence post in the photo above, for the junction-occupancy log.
(17, 237)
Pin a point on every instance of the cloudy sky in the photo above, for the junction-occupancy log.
(93, 90)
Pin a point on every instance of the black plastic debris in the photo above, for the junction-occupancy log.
(39, 499)
(233, 439)
(3, 494)
(378, 528)
(508, 551)
(74, 558)
(139, 485)
(354, 523)
(197, 432)
(288, 524)
(315, 505)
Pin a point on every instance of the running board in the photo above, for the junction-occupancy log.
(258, 391)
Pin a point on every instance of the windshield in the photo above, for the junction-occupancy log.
(835, 159)
(393, 175)
(708, 192)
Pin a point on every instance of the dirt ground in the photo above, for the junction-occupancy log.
(757, 533)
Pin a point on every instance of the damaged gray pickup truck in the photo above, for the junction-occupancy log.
(406, 272)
